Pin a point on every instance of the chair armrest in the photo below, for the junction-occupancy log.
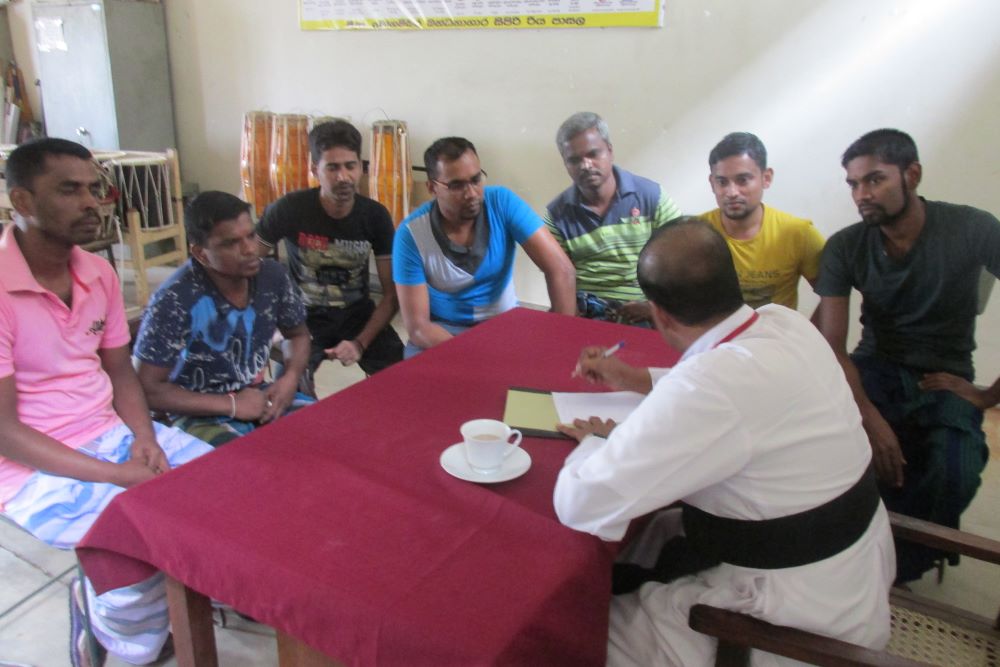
(947, 539)
(734, 628)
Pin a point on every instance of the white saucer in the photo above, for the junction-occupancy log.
(454, 463)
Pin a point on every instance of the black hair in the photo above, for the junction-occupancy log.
(886, 145)
(739, 143)
(448, 148)
(207, 210)
(333, 134)
(27, 161)
(687, 270)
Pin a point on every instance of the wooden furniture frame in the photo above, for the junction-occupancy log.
(137, 235)
(739, 633)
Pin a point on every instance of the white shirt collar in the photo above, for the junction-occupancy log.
(711, 338)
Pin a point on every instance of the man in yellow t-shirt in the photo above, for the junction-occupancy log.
(770, 248)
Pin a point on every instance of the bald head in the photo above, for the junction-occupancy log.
(686, 269)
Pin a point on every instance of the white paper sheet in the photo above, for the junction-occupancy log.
(615, 405)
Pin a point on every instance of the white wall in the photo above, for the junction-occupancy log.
(808, 77)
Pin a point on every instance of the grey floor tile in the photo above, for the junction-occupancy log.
(37, 633)
(20, 578)
(332, 376)
(23, 545)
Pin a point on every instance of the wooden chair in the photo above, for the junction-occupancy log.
(152, 209)
(924, 632)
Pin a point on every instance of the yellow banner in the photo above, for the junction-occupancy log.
(506, 14)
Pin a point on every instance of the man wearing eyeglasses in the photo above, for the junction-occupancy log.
(453, 258)
(603, 220)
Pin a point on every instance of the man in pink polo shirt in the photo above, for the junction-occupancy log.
(76, 427)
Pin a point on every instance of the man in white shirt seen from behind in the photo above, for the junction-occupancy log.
(756, 431)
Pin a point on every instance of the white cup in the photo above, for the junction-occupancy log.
(488, 443)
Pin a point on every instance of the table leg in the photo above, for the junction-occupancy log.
(191, 620)
(293, 653)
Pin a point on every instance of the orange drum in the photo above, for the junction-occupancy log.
(289, 154)
(390, 179)
(255, 159)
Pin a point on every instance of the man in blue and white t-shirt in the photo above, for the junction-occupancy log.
(453, 258)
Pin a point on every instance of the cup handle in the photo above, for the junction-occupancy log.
(511, 446)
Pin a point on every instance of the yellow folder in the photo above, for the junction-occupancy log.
(532, 412)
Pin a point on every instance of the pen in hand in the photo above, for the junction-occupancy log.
(609, 352)
(613, 349)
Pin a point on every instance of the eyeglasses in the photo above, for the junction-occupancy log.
(458, 187)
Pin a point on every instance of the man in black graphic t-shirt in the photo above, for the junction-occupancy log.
(330, 232)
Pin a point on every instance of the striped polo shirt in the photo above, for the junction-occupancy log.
(605, 249)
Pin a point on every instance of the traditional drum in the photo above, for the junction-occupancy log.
(144, 181)
(289, 154)
(390, 179)
(255, 159)
(150, 209)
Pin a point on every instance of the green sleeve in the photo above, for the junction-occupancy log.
(666, 210)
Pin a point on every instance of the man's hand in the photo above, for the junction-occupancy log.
(611, 371)
(279, 396)
(581, 428)
(636, 311)
(886, 452)
(250, 404)
(130, 473)
(961, 387)
(346, 352)
(149, 453)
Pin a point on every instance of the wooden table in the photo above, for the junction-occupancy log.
(337, 525)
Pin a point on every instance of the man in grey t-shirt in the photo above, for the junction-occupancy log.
(917, 265)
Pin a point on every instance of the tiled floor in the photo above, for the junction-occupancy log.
(37, 633)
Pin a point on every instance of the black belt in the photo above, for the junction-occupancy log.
(788, 541)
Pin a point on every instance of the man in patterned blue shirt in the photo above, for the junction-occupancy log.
(205, 339)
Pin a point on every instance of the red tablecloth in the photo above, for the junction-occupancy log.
(338, 526)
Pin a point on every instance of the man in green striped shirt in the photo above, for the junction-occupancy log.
(603, 220)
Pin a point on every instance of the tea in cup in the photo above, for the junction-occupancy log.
(487, 443)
